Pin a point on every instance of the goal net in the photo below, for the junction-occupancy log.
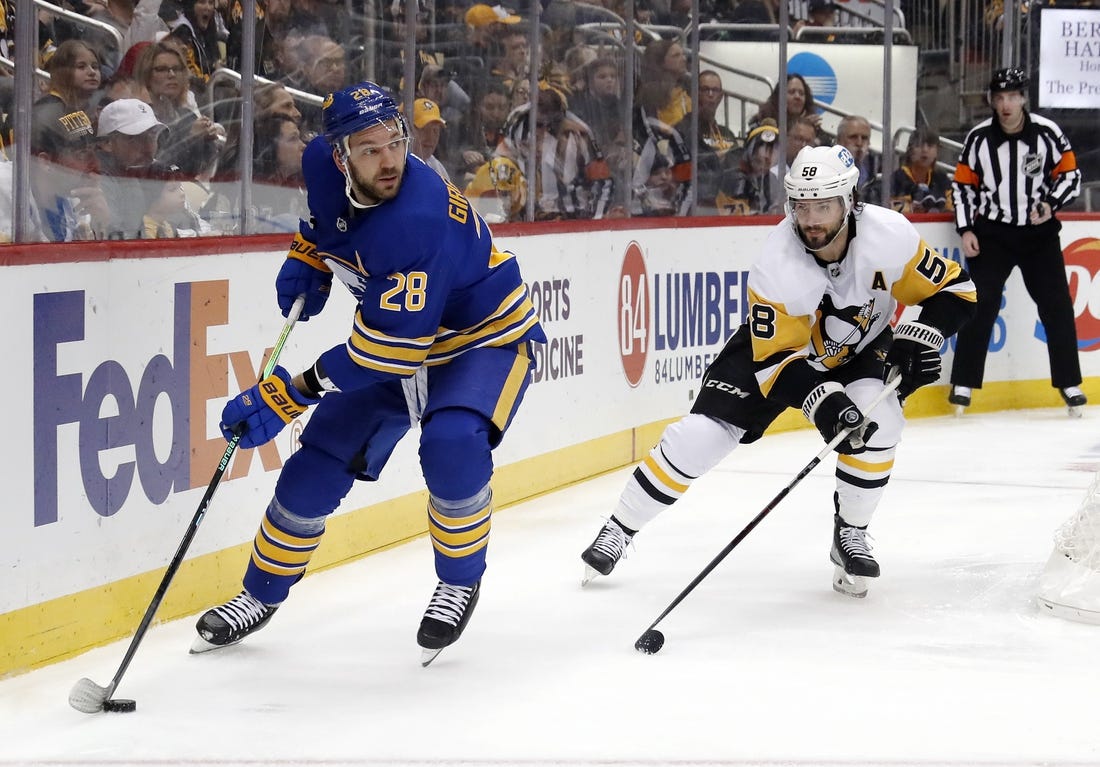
(1069, 586)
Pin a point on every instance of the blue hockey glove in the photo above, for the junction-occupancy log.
(261, 412)
(303, 274)
(915, 354)
(832, 411)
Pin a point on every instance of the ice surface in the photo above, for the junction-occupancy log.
(948, 660)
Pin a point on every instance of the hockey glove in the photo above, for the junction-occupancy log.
(303, 273)
(915, 354)
(832, 411)
(261, 412)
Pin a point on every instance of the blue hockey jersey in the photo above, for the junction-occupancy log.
(429, 280)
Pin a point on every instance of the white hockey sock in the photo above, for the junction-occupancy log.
(688, 449)
(860, 482)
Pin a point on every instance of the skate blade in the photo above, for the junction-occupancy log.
(959, 410)
(590, 574)
(849, 585)
(427, 656)
(1076, 412)
(200, 646)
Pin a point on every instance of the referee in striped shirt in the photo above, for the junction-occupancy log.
(1016, 170)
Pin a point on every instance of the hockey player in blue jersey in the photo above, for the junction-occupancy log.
(441, 335)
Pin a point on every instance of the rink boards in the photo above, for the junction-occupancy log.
(120, 360)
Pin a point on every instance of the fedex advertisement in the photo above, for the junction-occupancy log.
(122, 369)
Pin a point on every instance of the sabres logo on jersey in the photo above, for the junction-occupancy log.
(353, 276)
(839, 330)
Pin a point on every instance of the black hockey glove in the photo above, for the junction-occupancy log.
(915, 355)
(832, 411)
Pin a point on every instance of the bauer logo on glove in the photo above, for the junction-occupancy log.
(274, 392)
(261, 412)
(303, 273)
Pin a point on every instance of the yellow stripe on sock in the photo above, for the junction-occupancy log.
(663, 476)
(458, 539)
(275, 569)
(453, 523)
(873, 468)
(286, 539)
(277, 553)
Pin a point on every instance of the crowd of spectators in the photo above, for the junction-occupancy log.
(133, 140)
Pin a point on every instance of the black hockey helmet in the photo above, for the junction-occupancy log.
(1010, 79)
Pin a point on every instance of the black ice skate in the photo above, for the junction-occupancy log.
(605, 552)
(446, 617)
(230, 623)
(852, 557)
(960, 398)
(1075, 400)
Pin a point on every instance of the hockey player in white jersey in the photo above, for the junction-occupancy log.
(822, 295)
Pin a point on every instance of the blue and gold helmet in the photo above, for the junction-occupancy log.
(357, 108)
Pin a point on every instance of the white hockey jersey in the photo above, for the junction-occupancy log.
(803, 310)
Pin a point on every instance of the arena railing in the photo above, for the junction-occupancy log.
(81, 20)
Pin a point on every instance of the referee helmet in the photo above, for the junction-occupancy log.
(1010, 79)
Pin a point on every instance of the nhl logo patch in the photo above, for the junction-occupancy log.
(1032, 165)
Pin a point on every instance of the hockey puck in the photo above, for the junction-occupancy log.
(120, 705)
(650, 642)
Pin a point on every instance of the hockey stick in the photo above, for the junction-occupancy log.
(86, 695)
(652, 640)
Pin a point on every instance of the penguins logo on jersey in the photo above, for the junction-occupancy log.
(838, 331)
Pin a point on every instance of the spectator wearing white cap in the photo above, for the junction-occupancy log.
(128, 130)
(128, 135)
(428, 125)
